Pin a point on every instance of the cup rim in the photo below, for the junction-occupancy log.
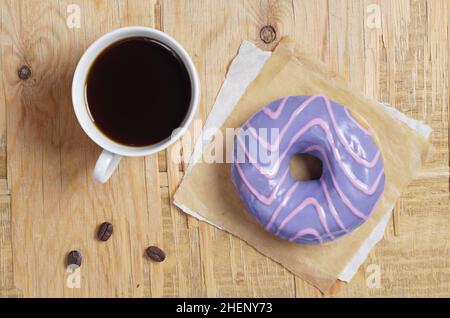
(79, 81)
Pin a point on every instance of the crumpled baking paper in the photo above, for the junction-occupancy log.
(243, 70)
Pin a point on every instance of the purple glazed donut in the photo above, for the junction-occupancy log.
(312, 211)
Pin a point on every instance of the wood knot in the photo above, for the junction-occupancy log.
(268, 34)
(24, 72)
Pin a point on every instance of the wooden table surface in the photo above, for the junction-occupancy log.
(50, 204)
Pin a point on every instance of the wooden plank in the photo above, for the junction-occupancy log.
(410, 263)
(316, 38)
(7, 286)
(155, 225)
(6, 262)
(56, 205)
(211, 31)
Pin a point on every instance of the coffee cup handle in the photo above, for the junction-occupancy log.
(105, 166)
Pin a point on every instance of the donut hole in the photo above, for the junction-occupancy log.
(305, 167)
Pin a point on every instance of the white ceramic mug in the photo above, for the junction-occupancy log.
(113, 151)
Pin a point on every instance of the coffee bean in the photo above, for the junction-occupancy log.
(105, 231)
(74, 258)
(155, 254)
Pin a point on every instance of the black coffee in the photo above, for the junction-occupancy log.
(138, 91)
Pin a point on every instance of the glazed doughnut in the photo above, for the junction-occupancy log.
(312, 211)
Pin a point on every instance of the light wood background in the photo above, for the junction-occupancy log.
(49, 203)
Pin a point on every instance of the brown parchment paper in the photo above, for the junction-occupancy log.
(291, 71)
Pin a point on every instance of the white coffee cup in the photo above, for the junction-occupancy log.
(113, 151)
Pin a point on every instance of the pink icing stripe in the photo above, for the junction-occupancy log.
(307, 102)
(333, 211)
(336, 185)
(364, 130)
(341, 138)
(285, 127)
(274, 115)
(260, 197)
(281, 205)
(269, 200)
(308, 201)
(304, 232)
(369, 190)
